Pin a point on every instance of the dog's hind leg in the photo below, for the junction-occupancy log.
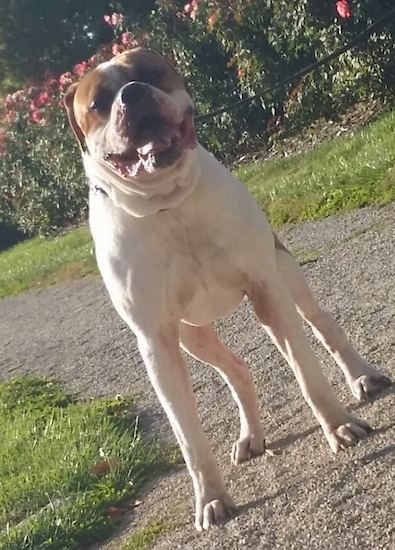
(362, 379)
(203, 344)
(275, 308)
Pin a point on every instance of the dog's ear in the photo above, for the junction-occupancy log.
(68, 101)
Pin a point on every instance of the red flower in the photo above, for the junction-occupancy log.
(343, 9)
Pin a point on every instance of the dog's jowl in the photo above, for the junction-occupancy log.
(180, 242)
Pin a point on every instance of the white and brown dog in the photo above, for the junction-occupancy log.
(180, 242)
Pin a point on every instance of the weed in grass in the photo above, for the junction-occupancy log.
(52, 495)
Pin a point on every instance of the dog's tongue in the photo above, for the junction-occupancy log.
(157, 139)
(160, 135)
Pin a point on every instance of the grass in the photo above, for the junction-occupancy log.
(41, 262)
(143, 538)
(345, 173)
(339, 175)
(66, 468)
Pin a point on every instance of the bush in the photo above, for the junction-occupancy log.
(227, 51)
(41, 184)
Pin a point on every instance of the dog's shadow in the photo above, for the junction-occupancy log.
(280, 444)
(277, 447)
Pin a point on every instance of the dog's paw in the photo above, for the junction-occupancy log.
(369, 384)
(347, 432)
(246, 448)
(214, 512)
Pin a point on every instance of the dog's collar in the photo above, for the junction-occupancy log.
(97, 189)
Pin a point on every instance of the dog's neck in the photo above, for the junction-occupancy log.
(158, 192)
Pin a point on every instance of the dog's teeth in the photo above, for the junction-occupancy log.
(145, 149)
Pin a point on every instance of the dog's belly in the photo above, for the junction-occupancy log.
(209, 304)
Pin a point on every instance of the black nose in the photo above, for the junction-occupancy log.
(133, 92)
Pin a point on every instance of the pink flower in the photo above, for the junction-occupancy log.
(19, 95)
(116, 49)
(52, 83)
(127, 39)
(80, 68)
(93, 59)
(10, 116)
(191, 8)
(42, 98)
(343, 9)
(116, 19)
(36, 116)
(64, 80)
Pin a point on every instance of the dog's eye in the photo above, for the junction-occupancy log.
(102, 102)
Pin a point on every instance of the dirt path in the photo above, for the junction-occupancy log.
(306, 498)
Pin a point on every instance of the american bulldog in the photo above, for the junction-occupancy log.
(180, 242)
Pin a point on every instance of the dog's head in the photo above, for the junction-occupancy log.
(134, 113)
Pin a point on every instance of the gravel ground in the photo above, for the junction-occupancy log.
(305, 497)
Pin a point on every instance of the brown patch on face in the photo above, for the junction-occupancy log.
(93, 99)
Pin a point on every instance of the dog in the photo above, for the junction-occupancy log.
(180, 242)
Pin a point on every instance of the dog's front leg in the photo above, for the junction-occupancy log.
(170, 378)
(275, 308)
(204, 344)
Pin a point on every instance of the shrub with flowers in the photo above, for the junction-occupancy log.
(42, 186)
(227, 50)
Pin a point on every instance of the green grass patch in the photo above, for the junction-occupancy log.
(41, 262)
(66, 468)
(143, 538)
(345, 173)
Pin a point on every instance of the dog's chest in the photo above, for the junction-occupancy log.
(183, 265)
(203, 279)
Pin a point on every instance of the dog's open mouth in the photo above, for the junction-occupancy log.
(157, 143)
